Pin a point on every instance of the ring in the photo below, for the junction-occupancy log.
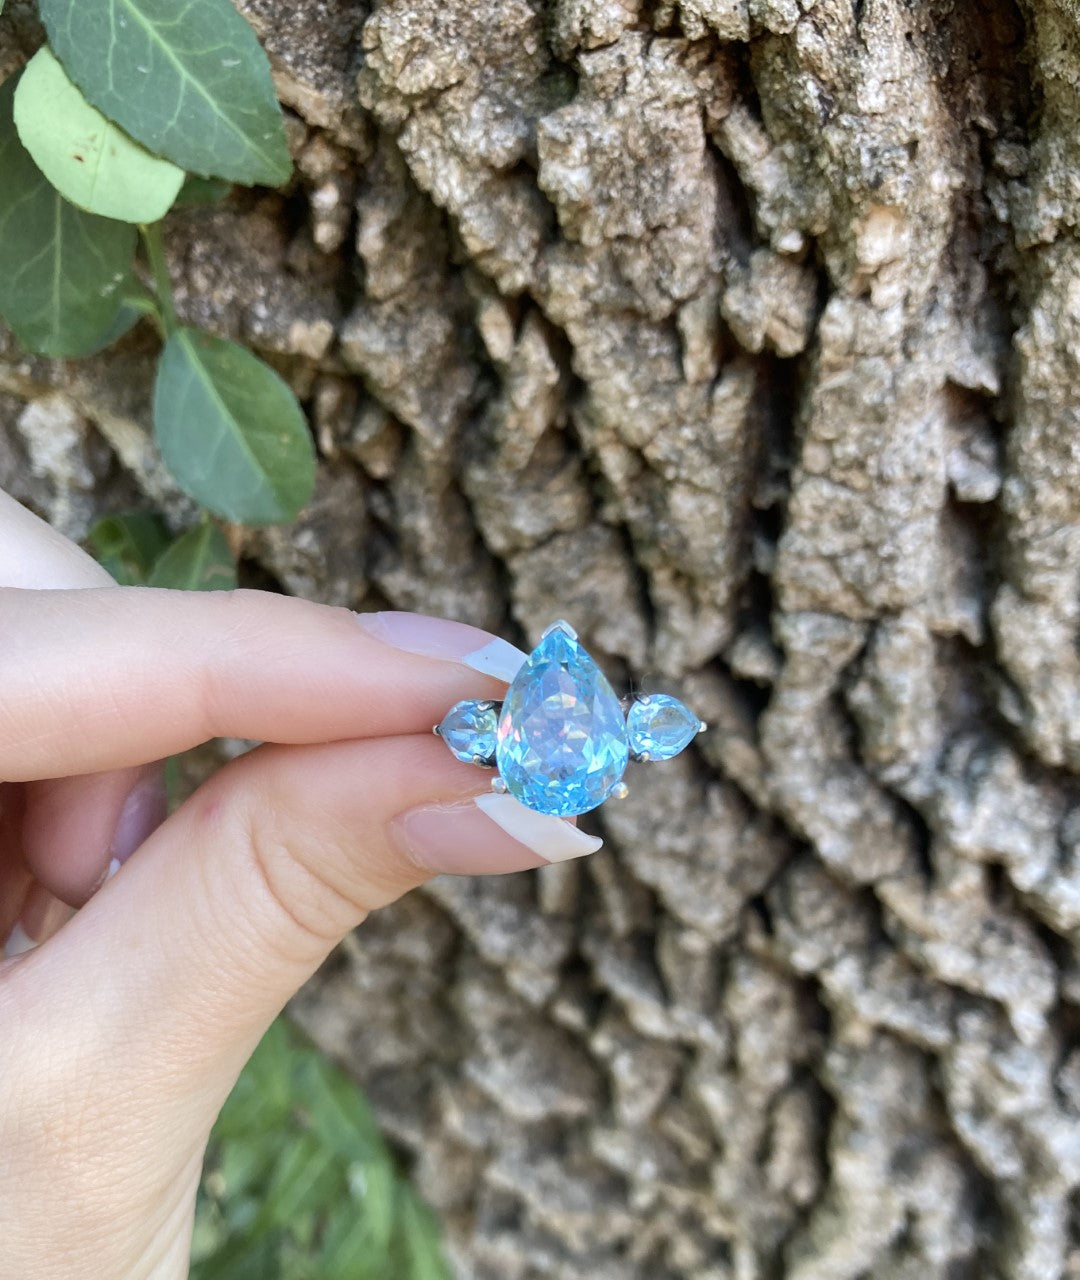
(561, 739)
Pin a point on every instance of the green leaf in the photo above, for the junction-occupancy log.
(62, 271)
(338, 1113)
(241, 1260)
(231, 431)
(305, 1177)
(87, 158)
(198, 191)
(421, 1240)
(244, 1166)
(379, 1188)
(127, 545)
(199, 560)
(126, 318)
(346, 1248)
(190, 81)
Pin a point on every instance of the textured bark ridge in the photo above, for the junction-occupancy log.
(744, 334)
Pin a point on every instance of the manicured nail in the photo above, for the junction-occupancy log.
(143, 812)
(441, 638)
(489, 833)
(41, 916)
(18, 943)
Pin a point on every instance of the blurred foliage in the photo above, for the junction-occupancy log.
(299, 1184)
(128, 545)
(127, 110)
(135, 548)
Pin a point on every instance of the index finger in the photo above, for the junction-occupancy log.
(104, 678)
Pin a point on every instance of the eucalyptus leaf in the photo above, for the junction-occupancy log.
(190, 81)
(62, 271)
(87, 158)
(199, 560)
(230, 430)
(127, 545)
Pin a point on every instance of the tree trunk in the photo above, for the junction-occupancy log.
(745, 335)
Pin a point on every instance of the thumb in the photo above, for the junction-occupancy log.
(143, 1009)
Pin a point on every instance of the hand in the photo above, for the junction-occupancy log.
(123, 1030)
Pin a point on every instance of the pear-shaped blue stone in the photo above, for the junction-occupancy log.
(469, 729)
(562, 734)
(660, 726)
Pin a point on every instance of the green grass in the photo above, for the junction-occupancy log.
(299, 1184)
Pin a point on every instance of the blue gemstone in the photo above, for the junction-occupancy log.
(660, 726)
(468, 729)
(562, 733)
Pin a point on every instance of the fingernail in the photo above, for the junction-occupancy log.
(489, 833)
(18, 943)
(441, 638)
(41, 916)
(143, 812)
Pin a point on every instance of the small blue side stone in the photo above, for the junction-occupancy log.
(469, 729)
(660, 726)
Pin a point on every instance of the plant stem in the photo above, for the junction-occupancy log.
(155, 252)
(145, 303)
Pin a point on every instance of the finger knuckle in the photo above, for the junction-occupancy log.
(290, 873)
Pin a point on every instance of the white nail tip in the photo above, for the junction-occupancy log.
(498, 658)
(552, 838)
(18, 944)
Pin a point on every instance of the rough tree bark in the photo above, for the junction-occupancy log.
(744, 334)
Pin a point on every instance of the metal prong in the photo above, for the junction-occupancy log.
(619, 792)
(435, 731)
(641, 757)
(702, 726)
(560, 625)
(643, 698)
(486, 705)
(498, 785)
